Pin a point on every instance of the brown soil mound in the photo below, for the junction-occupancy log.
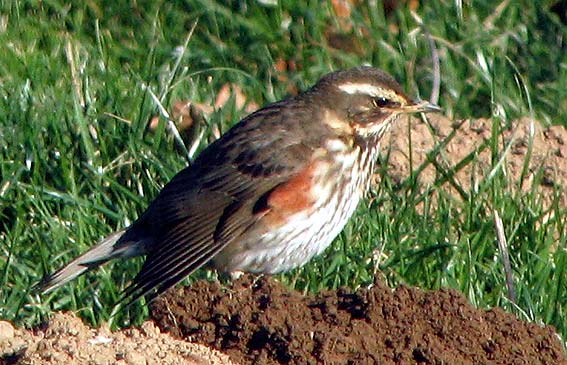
(66, 340)
(259, 321)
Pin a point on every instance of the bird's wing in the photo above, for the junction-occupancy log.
(214, 201)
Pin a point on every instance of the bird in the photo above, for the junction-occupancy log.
(268, 195)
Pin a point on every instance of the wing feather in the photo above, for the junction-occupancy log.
(211, 203)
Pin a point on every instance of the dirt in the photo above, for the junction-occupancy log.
(259, 321)
(544, 149)
(65, 339)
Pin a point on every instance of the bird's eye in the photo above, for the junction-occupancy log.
(381, 102)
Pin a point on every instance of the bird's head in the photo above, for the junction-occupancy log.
(364, 101)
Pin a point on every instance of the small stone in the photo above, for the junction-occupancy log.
(150, 329)
(6, 330)
(135, 358)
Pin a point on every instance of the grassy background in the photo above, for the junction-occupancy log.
(77, 160)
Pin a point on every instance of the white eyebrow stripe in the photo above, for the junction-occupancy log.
(368, 89)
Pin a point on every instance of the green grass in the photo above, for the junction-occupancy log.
(78, 161)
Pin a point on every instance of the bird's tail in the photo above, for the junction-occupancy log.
(102, 252)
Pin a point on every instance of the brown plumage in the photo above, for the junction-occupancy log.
(266, 197)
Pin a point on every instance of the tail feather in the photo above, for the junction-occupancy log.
(102, 252)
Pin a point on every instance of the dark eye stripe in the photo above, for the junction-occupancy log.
(383, 102)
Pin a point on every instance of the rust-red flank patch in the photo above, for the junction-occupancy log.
(291, 197)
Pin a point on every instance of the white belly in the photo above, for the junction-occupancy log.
(305, 234)
(294, 244)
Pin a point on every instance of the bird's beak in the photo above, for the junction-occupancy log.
(422, 106)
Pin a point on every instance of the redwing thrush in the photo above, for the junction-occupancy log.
(270, 194)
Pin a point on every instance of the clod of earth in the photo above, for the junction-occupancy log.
(259, 321)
